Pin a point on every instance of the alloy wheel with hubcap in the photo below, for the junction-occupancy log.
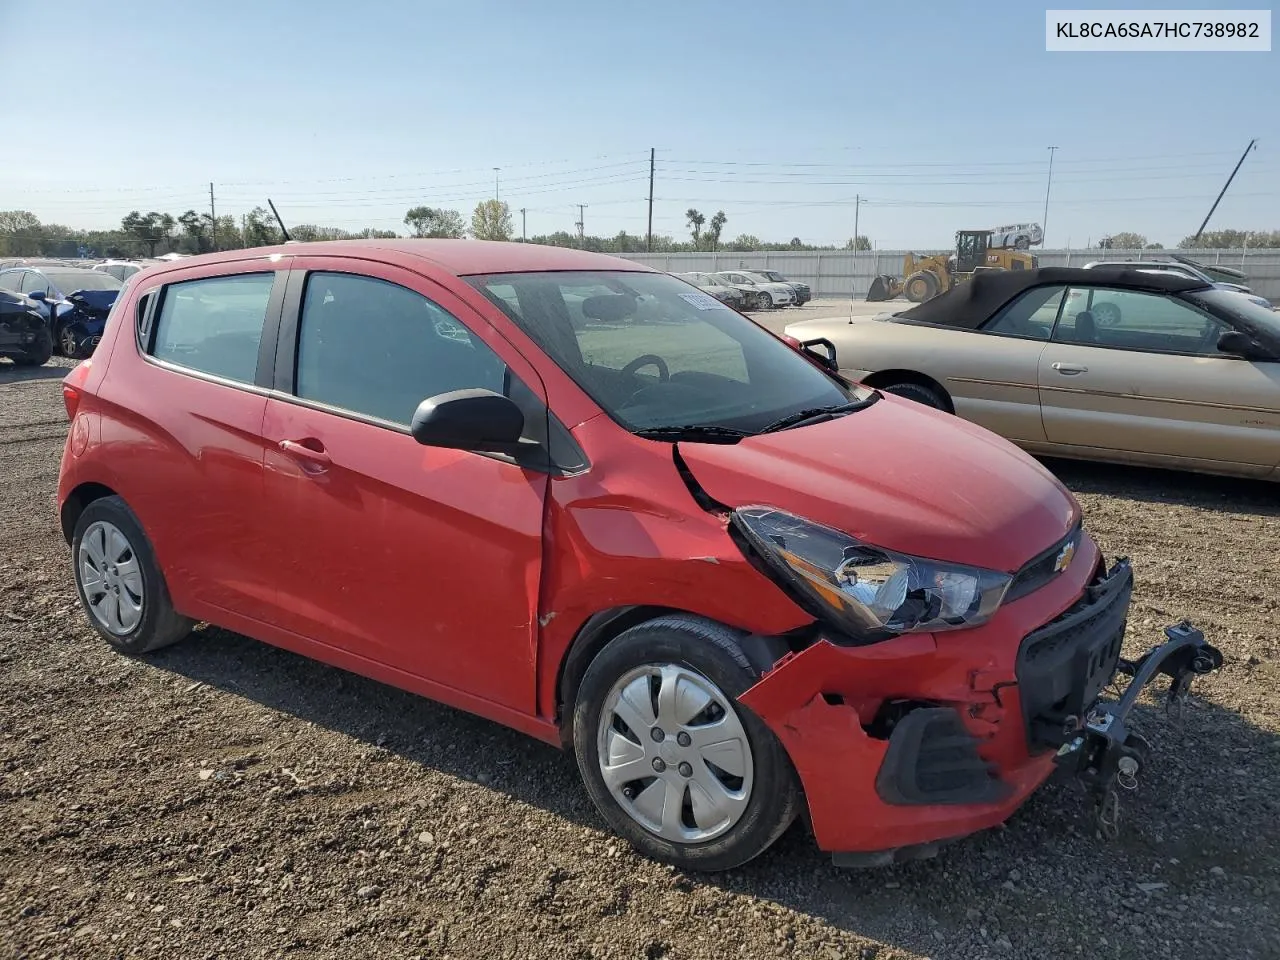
(674, 754)
(111, 578)
(121, 587)
(67, 342)
(671, 758)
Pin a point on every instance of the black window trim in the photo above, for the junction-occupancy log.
(146, 326)
(1149, 293)
(281, 385)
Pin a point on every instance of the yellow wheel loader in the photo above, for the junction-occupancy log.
(926, 277)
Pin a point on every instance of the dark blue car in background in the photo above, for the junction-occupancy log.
(74, 301)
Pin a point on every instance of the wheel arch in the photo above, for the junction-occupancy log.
(885, 378)
(602, 627)
(76, 502)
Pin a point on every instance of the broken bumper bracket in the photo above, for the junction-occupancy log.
(1102, 751)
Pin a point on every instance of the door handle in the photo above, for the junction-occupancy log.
(1070, 369)
(304, 451)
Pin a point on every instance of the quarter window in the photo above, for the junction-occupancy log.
(379, 349)
(1031, 315)
(1133, 320)
(214, 325)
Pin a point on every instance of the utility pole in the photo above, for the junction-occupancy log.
(1224, 190)
(524, 238)
(213, 220)
(495, 182)
(857, 205)
(1044, 222)
(648, 239)
(581, 231)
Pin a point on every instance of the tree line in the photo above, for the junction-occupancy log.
(1213, 240)
(151, 234)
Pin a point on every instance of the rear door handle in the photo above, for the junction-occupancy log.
(1070, 369)
(313, 460)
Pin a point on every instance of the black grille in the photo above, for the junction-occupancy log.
(932, 758)
(1064, 665)
(1041, 569)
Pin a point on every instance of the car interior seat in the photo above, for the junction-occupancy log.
(1086, 329)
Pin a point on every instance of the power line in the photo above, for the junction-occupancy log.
(951, 163)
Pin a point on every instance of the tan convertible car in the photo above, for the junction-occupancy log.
(1101, 364)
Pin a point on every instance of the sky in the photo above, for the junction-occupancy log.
(794, 119)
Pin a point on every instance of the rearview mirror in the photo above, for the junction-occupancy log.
(1241, 344)
(473, 419)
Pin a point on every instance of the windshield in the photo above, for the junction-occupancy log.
(653, 353)
(69, 281)
(772, 275)
(1240, 305)
(759, 278)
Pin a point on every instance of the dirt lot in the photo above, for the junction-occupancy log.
(226, 799)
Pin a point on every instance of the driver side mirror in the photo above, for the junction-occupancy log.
(1241, 344)
(37, 295)
(475, 419)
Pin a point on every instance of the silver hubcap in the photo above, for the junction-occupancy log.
(68, 341)
(674, 754)
(110, 577)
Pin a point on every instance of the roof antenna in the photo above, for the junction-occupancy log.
(283, 229)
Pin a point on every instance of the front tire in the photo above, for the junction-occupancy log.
(920, 287)
(119, 582)
(672, 761)
(917, 392)
(66, 336)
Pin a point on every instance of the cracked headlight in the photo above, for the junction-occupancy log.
(867, 589)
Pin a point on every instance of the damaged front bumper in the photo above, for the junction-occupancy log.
(905, 745)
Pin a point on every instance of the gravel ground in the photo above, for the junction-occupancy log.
(226, 799)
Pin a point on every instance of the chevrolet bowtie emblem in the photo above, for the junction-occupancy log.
(1063, 559)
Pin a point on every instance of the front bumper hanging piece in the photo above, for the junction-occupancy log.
(1104, 753)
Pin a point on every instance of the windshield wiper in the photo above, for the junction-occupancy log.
(819, 414)
(709, 433)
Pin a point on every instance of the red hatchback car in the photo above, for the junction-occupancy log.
(586, 500)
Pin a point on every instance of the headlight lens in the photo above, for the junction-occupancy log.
(866, 588)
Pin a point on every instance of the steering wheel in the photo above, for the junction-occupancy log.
(648, 360)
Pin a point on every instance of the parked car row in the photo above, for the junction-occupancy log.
(740, 589)
(1182, 267)
(72, 302)
(751, 289)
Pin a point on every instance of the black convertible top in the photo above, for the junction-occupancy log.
(969, 304)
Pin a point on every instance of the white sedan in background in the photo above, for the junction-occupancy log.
(761, 289)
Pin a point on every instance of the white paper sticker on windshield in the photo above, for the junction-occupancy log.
(703, 301)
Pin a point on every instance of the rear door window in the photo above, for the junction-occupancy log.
(214, 325)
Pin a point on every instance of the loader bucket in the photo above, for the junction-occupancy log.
(882, 287)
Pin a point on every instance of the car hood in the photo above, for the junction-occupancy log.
(899, 476)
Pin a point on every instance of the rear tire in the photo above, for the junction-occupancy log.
(119, 583)
(39, 354)
(716, 816)
(917, 392)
